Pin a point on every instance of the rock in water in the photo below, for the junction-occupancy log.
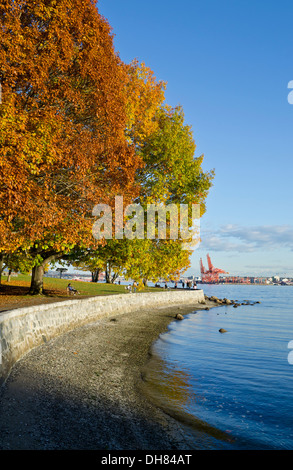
(179, 316)
(222, 330)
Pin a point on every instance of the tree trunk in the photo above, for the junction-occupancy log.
(9, 275)
(114, 277)
(95, 275)
(1, 266)
(36, 287)
(108, 273)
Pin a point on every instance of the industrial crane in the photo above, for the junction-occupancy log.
(211, 275)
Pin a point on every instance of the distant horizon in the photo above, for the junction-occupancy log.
(73, 270)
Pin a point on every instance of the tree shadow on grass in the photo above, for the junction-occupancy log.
(17, 296)
(18, 290)
(7, 289)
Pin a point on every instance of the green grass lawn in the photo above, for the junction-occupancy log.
(84, 288)
(14, 294)
(90, 288)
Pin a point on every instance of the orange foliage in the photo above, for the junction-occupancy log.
(145, 95)
(63, 120)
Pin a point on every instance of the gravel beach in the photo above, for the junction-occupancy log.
(81, 390)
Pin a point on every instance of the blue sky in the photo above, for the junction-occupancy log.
(228, 63)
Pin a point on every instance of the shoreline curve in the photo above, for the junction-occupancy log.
(81, 389)
(23, 329)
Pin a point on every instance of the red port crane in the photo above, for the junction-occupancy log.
(211, 275)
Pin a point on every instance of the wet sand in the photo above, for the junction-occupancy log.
(82, 390)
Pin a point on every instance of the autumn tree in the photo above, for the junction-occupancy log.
(171, 174)
(143, 96)
(112, 257)
(63, 120)
(151, 260)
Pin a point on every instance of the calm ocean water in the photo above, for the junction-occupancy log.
(237, 387)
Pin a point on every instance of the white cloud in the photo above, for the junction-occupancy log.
(247, 239)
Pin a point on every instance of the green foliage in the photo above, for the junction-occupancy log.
(171, 173)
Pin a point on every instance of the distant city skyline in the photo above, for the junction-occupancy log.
(229, 65)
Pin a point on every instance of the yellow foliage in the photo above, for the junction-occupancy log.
(144, 95)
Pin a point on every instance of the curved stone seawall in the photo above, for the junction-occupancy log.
(26, 328)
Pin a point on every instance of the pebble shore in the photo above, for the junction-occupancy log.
(81, 391)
